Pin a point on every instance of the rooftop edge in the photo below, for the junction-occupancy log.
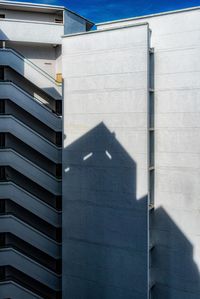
(149, 16)
(107, 29)
(41, 6)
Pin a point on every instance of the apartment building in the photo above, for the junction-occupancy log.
(100, 155)
(31, 147)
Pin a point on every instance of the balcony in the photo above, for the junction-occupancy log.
(31, 31)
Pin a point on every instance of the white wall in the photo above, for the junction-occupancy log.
(58, 65)
(105, 164)
(43, 56)
(31, 31)
(176, 222)
(13, 76)
(29, 16)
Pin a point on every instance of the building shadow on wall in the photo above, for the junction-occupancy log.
(105, 226)
(175, 272)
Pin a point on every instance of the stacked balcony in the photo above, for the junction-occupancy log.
(30, 180)
(39, 24)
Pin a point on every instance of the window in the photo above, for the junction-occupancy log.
(2, 140)
(2, 16)
(58, 20)
(2, 107)
(1, 73)
(2, 173)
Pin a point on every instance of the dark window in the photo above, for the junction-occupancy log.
(1, 73)
(2, 140)
(59, 171)
(59, 107)
(59, 138)
(2, 173)
(2, 16)
(2, 106)
(58, 20)
(59, 203)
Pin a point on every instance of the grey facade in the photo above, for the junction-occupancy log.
(99, 134)
(31, 147)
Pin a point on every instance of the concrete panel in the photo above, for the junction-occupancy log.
(171, 101)
(163, 291)
(31, 31)
(9, 90)
(169, 22)
(17, 260)
(32, 236)
(10, 124)
(11, 158)
(105, 164)
(10, 288)
(177, 139)
(127, 61)
(43, 55)
(29, 15)
(30, 202)
(130, 101)
(175, 223)
(73, 23)
(116, 42)
(31, 72)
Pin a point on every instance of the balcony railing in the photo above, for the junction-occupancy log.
(31, 31)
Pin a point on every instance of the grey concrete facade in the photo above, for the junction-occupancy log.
(105, 186)
(31, 147)
(94, 94)
(175, 223)
(99, 155)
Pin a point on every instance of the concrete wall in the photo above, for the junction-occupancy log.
(58, 64)
(30, 16)
(33, 90)
(176, 221)
(31, 31)
(105, 164)
(40, 27)
(44, 56)
(73, 23)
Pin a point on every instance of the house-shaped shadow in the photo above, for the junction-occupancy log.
(105, 234)
(104, 224)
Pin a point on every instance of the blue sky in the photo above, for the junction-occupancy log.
(105, 10)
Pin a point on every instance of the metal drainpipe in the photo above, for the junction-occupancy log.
(151, 166)
(150, 158)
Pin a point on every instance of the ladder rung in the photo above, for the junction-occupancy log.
(151, 129)
(151, 50)
(151, 246)
(151, 284)
(151, 168)
(151, 206)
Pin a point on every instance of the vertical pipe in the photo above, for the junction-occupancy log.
(150, 154)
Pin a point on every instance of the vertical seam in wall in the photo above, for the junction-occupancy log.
(148, 147)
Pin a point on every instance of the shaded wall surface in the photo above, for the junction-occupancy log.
(105, 164)
(175, 228)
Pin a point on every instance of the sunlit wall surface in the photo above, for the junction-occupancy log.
(175, 221)
(105, 160)
(105, 180)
